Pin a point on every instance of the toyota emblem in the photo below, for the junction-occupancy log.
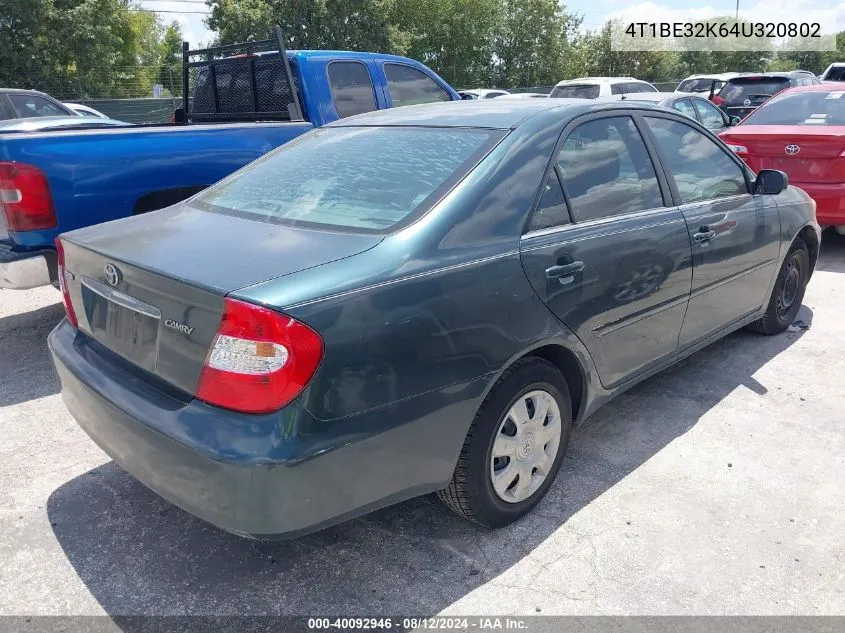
(112, 273)
(792, 149)
(746, 102)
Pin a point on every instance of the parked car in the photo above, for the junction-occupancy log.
(482, 93)
(741, 95)
(86, 111)
(801, 132)
(65, 179)
(705, 83)
(595, 87)
(834, 72)
(357, 318)
(695, 107)
(24, 104)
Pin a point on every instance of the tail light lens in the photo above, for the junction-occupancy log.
(25, 198)
(260, 360)
(717, 100)
(71, 314)
(738, 149)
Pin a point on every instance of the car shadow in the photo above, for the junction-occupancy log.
(26, 372)
(139, 555)
(832, 256)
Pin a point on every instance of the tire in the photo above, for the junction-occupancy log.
(536, 383)
(788, 292)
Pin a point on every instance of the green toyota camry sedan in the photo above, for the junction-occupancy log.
(423, 299)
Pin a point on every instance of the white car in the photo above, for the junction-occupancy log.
(84, 110)
(595, 87)
(482, 93)
(703, 83)
(834, 72)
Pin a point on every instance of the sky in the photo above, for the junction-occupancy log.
(190, 13)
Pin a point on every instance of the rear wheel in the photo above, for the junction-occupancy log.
(788, 292)
(514, 447)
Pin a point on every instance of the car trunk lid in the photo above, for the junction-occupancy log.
(807, 154)
(150, 289)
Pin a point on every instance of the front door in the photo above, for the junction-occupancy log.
(734, 234)
(610, 256)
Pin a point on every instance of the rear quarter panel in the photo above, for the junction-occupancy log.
(99, 175)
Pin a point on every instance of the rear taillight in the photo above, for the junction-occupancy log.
(259, 361)
(25, 198)
(717, 100)
(738, 149)
(71, 314)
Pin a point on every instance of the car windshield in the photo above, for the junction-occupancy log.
(366, 179)
(802, 108)
(696, 85)
(575, 91)
(736, 91)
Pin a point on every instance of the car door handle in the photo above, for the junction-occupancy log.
(564, 270)
(704, 235)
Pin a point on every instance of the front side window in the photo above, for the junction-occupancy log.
(607, 170)
(409, 86)
(701, 168)
(352, 88)
(28, 106)
(709, 115)
(635, 87)
(366, 179)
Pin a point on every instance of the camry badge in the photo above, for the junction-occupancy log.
(112, 274)
(792, 149)
(181, 327)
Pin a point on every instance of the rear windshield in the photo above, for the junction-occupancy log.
(367, 179)
(584, 91)
(738, 90)
(697, 85)
(802, 108)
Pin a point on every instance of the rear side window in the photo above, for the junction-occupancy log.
(28, 106)
(702, 169)
(409, 86)
(607, 170)
(576, 91)
(366, 179)
(684, 107)
(634, 87)
(552, 209)
(352, 88)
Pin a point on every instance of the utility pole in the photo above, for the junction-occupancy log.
(737, 9)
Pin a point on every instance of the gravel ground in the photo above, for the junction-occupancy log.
(716, 487)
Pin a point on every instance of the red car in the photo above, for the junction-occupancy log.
(800, 131)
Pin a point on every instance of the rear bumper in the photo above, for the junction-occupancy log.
(830, 201)
(258, 476)
(21, 270)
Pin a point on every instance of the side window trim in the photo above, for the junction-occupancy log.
(652, 143)
(369, 74)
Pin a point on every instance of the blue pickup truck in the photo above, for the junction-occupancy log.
(240, 102)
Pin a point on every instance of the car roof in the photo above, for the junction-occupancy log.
(488, 113)
(22, 91)
(785, 74)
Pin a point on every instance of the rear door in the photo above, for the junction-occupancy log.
(735, 236)
(606, 250)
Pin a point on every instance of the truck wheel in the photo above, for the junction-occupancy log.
(514, 447)
(788, 292)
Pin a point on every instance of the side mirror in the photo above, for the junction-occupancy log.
(734, 120)
(770, 182)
